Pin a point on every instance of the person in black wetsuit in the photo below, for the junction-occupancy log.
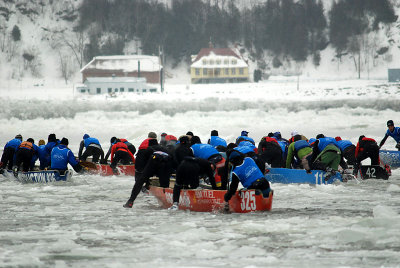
(157, 161)
(188, 175)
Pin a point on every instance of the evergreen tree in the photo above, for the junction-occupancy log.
(16, 33)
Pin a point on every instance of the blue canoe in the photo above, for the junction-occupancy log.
(42, 176)
(285, 175)
(391, 158)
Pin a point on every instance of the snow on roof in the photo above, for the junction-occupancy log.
(126, 63)
(116, 80)
(218, 58)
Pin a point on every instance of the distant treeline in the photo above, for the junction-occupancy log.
(286, 29)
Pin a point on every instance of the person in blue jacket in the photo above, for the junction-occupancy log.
(216, 141)
(326, 154)
(51, 143)
(61, 156)
(244, 136)
(245, 171)
(93, 148)
(42, 154)
(7, 159)
(348, 152)
(208, 152)
(393, 132)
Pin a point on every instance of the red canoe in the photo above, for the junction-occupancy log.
(105, 170)
(204, 200)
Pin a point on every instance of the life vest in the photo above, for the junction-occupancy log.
(26, 145)
(91, 140)
(298, 145)
(61, 156)
(248, 172)
(170, 138)
(204, 151)
(270, 139)
(120, 146)
(368, 139)
(343, 144)
(245, 138)
(323, 142)
(244, 149)
(144, 144)
(217, 141)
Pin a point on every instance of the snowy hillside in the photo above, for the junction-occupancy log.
(46, 52)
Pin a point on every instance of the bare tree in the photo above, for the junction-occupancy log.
(76, 43)
(66, 66)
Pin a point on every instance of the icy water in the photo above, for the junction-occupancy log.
(82, 223)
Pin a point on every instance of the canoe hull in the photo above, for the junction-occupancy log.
(105, 169)
(284, 175)
(391, 158)
(43, 176)
(203, 200)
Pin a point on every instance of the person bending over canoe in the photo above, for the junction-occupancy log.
(113, 140)
(245, 171)
(366, 148)
(26, 152)
(270, 151)
(188, 176)
(158, 163)
(120, 154)
(7, 159)
(93, 148)
(326, 155)
(348, 152)
(300, 149)
(61, 156)
(208, 152)
(393, 132)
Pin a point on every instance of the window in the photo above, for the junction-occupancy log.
(153, 90)
(197, 71)
(137, 90)
(211, 62)
(233, 71)
(83, 90)
(217, 72)
(234, 61)
(204, 71)
(98, 90)
(116, 90)
(144, 90)
(109, 90)
(241, 71)
(121, 89)
(130, 89)
(226, 61)
(226, 71)
(204, 62)
(218, 62)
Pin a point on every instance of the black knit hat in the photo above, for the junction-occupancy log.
(64, 141)
(390, 123)
(214, 132)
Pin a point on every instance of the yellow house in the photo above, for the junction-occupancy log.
(218, 65)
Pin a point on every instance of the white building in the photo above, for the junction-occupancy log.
(110, 85)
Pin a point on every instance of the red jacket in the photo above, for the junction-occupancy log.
(360, 148)
(120, 146)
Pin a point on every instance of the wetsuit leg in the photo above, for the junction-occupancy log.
(8, 158)
(141, 180)
(349, 154)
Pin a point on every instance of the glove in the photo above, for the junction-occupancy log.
(308, 171)
(103, 162)
(174, 206)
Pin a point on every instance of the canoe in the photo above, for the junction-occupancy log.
(391, 158)
(42, 176)
(374, 172)
(285, 175)
(205, 200)
(105, 170)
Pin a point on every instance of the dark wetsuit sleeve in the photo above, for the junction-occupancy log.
(81, 149)
(232, 188)
(383, 140)
(108, 153)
